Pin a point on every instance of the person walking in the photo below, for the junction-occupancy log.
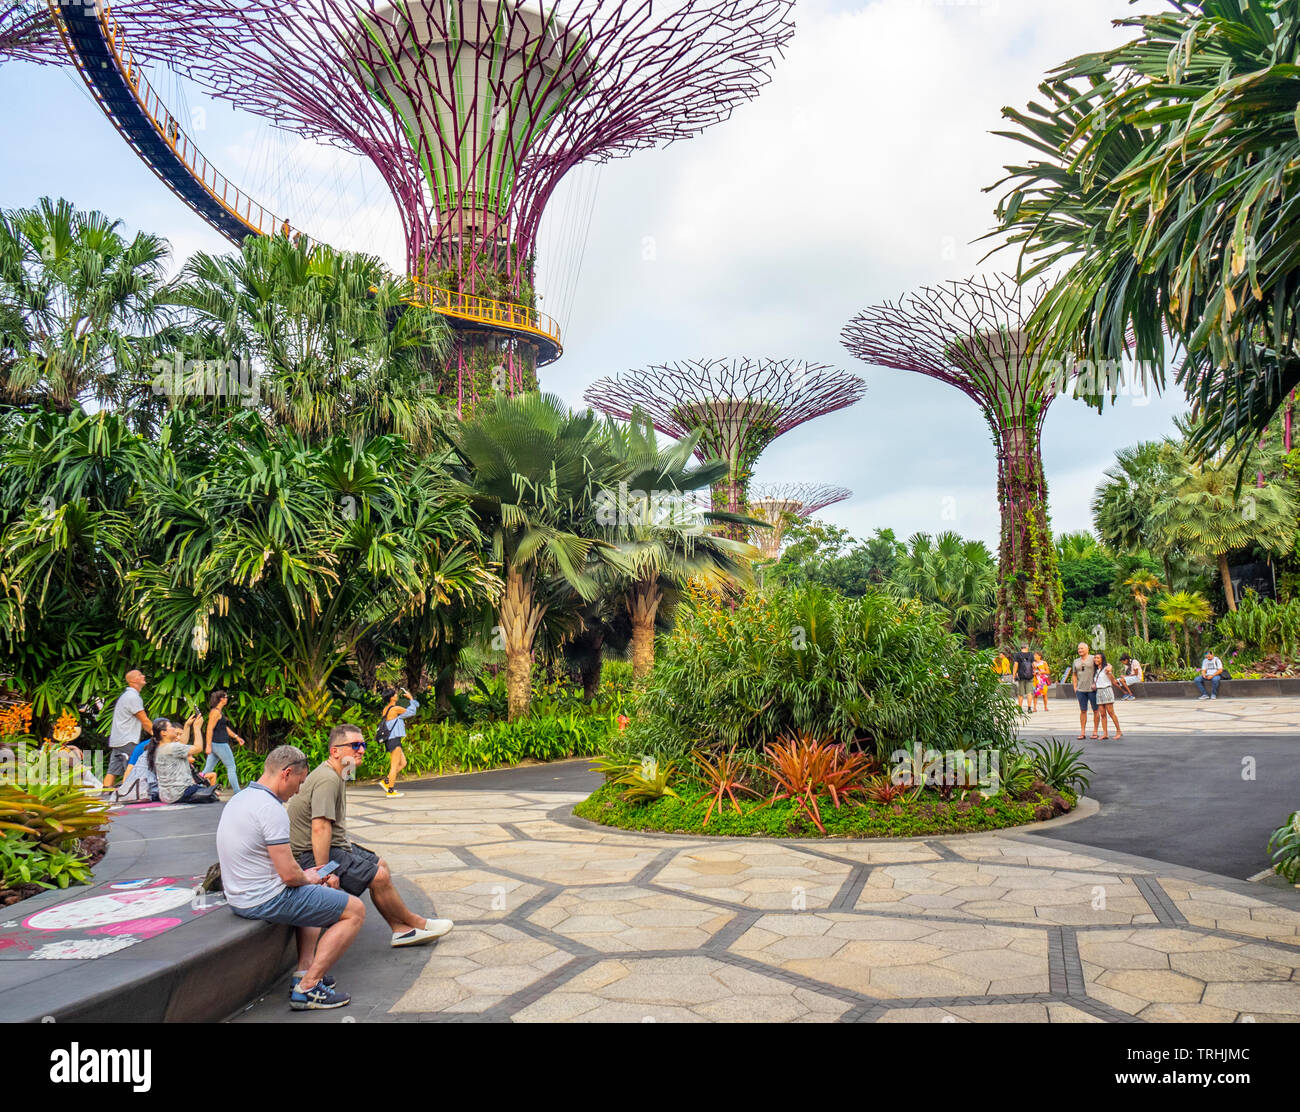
(392, 729)
(219, 734)
(1211, 673)
(1083, 678)
(1022, 664)
(1105, 680)
(129, 719)
(262, 880)
(318, 833)
(1042, 681)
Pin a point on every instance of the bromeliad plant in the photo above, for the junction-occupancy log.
(803, 767)
(56, 815)
(723, 775)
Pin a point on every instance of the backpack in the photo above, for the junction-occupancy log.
(385, 729)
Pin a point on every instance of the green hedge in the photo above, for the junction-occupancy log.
(439, 748)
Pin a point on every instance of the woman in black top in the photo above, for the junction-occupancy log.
(218, 739)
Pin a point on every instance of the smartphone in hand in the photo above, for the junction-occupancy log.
(323, 871)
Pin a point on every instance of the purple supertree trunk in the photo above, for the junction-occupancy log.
(971, 335)
(737, 406)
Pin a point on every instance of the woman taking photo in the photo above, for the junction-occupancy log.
(218, 739)
(169, 758)
(392, 731)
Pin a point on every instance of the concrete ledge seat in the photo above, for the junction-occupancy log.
(201, 971)
(1186, 689)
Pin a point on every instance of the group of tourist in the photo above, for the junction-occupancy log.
(155, 757)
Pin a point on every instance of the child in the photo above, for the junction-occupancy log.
(1042, 680)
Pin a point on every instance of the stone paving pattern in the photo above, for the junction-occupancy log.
(561, 920)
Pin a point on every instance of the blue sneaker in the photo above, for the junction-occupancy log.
(317, 998)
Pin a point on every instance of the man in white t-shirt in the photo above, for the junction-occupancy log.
(129, 718)
(263, 881)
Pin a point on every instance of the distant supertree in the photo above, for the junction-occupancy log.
(740, 406)
(776, 503)
(971, 335)
(471, 110)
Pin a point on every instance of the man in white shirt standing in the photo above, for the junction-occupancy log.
(1211, 671)
(263, 881)
(129, 718)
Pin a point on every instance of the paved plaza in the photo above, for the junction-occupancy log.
(561, 920)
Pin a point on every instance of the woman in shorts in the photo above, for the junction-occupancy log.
(1106, 697)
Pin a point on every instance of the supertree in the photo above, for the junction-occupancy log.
(739, 406)
(471, 110)
(971, 335)
(776, 503)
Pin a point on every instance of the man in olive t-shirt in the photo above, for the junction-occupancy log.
(318, 832)
(1083, 675)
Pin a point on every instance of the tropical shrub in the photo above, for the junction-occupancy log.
(56, 815)
(1261, 627)
(1060, 766)
(723, 775)
(874, 673)
(1285, 844)
(803, 768)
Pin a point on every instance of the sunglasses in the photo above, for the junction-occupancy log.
(355, 746)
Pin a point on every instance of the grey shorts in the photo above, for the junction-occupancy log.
(1105, 696)
(117, 761)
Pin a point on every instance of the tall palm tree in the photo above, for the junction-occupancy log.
(1181, 609)
(79, 307)
(1142, 585)
(1206, 516)
(664, 540)
(1125, 501)
(1078, 545)
(1162, 177)
(329, 336)
(531, 469)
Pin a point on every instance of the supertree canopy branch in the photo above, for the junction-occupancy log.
(971, 335)
(739, 406)
(777, 503)
(473, 110)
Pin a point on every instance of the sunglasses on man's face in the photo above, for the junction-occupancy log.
(355, 746)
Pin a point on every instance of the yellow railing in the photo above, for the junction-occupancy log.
(485, 309)
(257, 218)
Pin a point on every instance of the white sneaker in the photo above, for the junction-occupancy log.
(1213, 696)
(433, 928)
(1200, 697)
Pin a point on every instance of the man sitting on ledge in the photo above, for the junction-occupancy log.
(319, 834)
(263, 881)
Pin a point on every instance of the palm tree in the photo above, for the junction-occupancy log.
(1124, 504)
(1142, 585)
(1207, 518)
(79, 308)
(1076, 546)
(1162, 176)
(301, 549)
(665, 542)
(332, 342)
(531, 469)
(956, 575)
(1181, 609)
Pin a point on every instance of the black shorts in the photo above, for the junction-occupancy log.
(1087, 699)
(394, 743)
(357, 867)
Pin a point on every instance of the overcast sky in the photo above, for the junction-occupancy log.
(855, 176)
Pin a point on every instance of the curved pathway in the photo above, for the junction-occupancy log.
(561, 920)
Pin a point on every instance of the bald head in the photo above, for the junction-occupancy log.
(135, 678)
